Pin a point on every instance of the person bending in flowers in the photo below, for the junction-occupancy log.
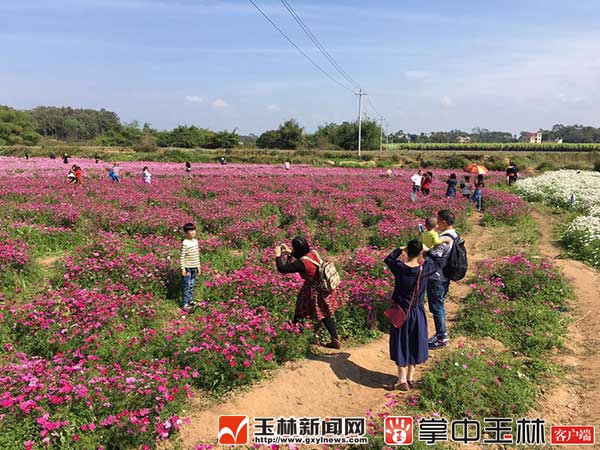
(311, 303)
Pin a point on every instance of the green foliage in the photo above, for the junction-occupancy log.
(72, 124)
(345, 135)
(519, 304)
(545, 166)
(128, 135)
(572, 134)
(455, 162)
(289, 135)
(17, 127)
(224, 139)
(477, 382)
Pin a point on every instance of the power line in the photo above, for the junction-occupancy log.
(324, 51)
(316, 41)
(373, 106)
(299, 49)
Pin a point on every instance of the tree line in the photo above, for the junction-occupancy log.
(105, 128)
(344, 136)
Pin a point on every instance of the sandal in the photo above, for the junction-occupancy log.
(396, 387)
(410, 383)
(335, 344)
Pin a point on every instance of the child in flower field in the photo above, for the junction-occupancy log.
(426, 183)
(477, 197)
(430, 237)
(451, 182)
(465, 187)
(71, 177)
(146, 175)
(116, 170)
(190, 264)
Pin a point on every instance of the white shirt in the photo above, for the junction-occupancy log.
(416, 179)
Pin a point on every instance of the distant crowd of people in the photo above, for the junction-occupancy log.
(470, 187)
(114, 172)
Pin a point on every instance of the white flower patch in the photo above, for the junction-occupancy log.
(560, 188)
(556, 188)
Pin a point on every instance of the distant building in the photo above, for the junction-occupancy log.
(533, 138)
(464, 139)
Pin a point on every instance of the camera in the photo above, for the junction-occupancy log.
(421, 228)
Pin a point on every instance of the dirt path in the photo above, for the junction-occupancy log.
(343, 384)
(576, 401)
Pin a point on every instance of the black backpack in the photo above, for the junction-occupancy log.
(456, 264)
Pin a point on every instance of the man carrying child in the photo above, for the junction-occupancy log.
(438, 284)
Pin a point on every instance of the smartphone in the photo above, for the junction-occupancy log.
(421, 228)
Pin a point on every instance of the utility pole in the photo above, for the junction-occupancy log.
(381, 137)
(360, 96)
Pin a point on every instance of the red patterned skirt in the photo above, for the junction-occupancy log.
(315, 304)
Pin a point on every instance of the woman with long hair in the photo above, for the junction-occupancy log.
(312, 302)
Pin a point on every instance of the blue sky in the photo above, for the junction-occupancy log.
(426, 65)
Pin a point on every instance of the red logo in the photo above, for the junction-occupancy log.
(575, 435)
(233, 430)
(398, 430)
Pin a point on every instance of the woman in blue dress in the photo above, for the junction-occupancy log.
(409, 344)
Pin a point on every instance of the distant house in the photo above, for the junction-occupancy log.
(464, 139)
(533, 138)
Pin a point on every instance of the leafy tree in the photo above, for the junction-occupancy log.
(345, 135)
(129, 135)
(17, 127)
(224, 139)
(269, 139)
(74, 124)
(290, 134)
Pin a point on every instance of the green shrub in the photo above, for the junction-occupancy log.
(476, 382)
(455, 161)
(519, 303)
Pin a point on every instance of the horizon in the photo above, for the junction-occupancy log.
(522, 66)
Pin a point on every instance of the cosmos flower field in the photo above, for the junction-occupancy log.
(97, 353)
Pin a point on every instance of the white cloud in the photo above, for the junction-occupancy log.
(193, 98)
(446, 101)
(220, 103)
(273, 108)
(417, 74)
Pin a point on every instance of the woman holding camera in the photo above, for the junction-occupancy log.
(312, 303)
(409, 344)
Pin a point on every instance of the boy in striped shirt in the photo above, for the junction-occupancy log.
(190, 264)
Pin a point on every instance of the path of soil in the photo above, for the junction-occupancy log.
(342, 384)
(576, 400)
